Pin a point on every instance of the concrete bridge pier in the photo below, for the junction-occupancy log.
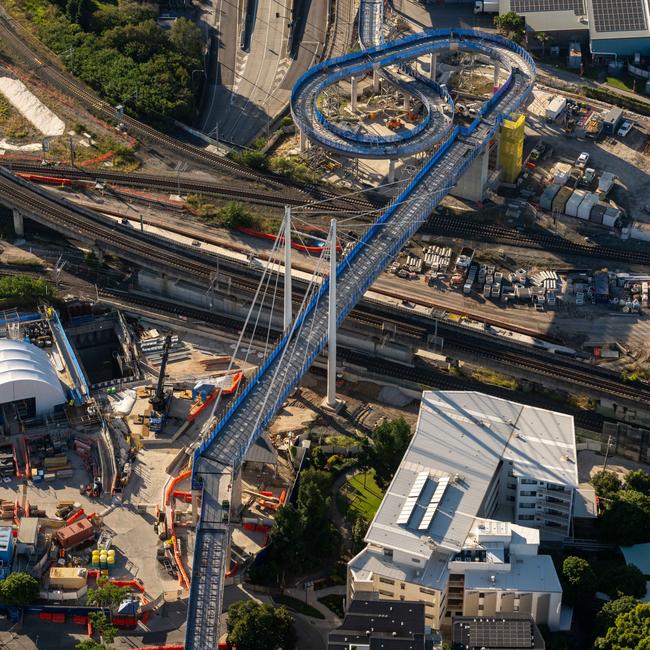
(497, 73)
(375, 79)
(433, 66)
(19, 223)
(303, 142)
(353, 93)
(99, 254)
(391, 170)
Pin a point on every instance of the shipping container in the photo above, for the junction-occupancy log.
(555, 107)
(585, 207)
(606, 183)
(612, 120)
(561, 198)
(64, 577)
(546, 199)
(572, 205)
(75, 534)
(611, 217)
(597, 212)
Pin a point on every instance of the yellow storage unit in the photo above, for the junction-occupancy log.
(64, 577)
(511, 151)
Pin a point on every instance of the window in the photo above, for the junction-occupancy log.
(481, 595)
(430, 592)
(401, 597)
(528, 481)
(528, 493)
(388, 552)
(402, 586)
(509, 497)
(526, 517)
(414, 559)
(386, 593)
(512, 486)
(480, 608)
(387, 581)
(526, 505)
(555, 488)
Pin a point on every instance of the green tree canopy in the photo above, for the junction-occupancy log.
(389, 441)
(578, 581)
(638, 480)
(606, 483)
(255, 626)
(186, 38)
(104, 627)
(19, 589)
(631, 631)
(106, 594)
(621, 580)
(91, 644)
(627, 519)
(608, 613)
(511, 25)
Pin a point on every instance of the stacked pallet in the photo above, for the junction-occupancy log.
(7, 465)
(7, 510)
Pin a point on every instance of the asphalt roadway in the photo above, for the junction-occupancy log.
(247, 89)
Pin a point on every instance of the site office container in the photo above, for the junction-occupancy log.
(68, 577)
(572, 205)
(546, 199)
(561, 198)
(75, 533)
(611, 217)
(584, 210)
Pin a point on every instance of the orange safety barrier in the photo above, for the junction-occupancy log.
(80, 619)
(170, 488)
(58, 618)
(39, 178)
(135, 584)
(294, 244)
(89, 628)
(283, 497)
(184, 496)
(45, 616)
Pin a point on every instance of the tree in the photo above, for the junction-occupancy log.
(627, 519)
(606, 483)
(358, 531)
(578, 581)
(19, 589)
(608, 613)
(511, 25)
(638, 480)
(91, 644)
(317, 458)
(288, 542)
(106, 630)
(255, 626)
(631, 631)
(106, 594)
(389, 441)
(621, 580)
(543, 39)
(186, 38)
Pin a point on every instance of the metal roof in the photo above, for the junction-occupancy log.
(462, 437)
(533, 573)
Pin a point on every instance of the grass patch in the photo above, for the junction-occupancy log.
(486, 376)
(334, 602)
(298, 606)
(16, 127)
(362, 499)
(341, 441)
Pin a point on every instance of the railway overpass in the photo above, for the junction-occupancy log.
(217, 459)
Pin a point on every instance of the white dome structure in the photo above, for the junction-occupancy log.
(25, 374)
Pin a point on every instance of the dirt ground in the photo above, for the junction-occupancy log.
(590, 462)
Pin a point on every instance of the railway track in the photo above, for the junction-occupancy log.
(169, 183)
(423, 375)
(156, 252)
(459, 227)
(45, 64)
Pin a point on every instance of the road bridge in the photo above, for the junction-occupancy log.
(217, 459)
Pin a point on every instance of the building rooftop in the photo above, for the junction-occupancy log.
(534, 573)
(505, 631)
(382, 625)
(459, 442)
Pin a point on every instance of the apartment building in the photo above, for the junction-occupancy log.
(459, 527)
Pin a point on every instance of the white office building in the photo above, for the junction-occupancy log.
(459, 526)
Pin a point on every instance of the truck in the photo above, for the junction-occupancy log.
(555, 108)
(486, 7)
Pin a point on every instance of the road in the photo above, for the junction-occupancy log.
(250, 88)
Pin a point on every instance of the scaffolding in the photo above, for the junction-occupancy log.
(511, 151)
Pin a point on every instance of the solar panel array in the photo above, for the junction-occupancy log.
(619, 15)
(501, 633)
(542, 6)
(433, 505)
(412, 498)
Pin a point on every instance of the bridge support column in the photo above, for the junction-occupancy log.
(331, 345)
(433, 66)
(497, 72)
(196, 495)
(99, 254)
(353, 93)
(391, 170)
(288, 307)
(375, 80)
(19, 223)
(407, 102)
(303, 142)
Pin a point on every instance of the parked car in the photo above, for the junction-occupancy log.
(588, 176)
(626, 127)
(582, 160)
